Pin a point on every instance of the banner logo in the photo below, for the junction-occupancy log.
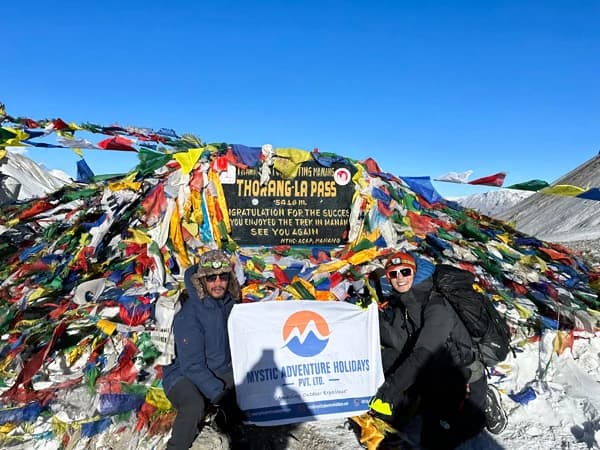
(306, 333)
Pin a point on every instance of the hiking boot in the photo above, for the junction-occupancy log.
(495, 417)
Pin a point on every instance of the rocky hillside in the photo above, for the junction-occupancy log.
(557, 218)
(572, 222)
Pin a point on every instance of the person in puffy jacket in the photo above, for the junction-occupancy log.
(428, 359)
(201, 371)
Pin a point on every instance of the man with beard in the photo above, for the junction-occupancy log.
(201, 373)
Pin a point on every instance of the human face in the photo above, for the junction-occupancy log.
(216, 285)
(401, 278)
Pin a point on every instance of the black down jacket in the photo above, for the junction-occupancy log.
(421, 336)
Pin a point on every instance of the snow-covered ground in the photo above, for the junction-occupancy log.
(563, 410)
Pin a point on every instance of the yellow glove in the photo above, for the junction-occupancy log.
(381, 408)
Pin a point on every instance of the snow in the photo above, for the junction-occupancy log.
(36, 181)
(492, 203)
(565, 413)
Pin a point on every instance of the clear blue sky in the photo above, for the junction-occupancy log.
(422, 87)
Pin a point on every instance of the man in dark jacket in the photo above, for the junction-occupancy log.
(201, 371)
(428, 359)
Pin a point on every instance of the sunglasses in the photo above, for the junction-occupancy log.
(222, 276)
(405, 272)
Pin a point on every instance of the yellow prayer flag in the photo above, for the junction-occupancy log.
(7, 427)
(524, 313)
(331, 266)
(156, 397)
(563, 189)
(73, 126)
(37, 293)
(125, 183)
(562, 341)
(106, 326)
(287, 161)
(363, 256)
(213, 177)
(59, 427)
(177, 237)
(187, 160)
(191, 228)
(139, 237)
(535, 262)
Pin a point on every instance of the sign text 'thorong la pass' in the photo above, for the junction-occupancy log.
(313, 208)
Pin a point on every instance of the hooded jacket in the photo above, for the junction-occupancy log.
(202, 352)
(420, 331)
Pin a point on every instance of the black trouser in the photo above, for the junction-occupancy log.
(190, 405)
(452, 412)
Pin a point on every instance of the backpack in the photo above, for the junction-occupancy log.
(488, 329)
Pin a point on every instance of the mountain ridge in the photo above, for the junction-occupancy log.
(494, 203)
(549, 217)
(560, 218)
(34, 179)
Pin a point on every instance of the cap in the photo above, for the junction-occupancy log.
(212, 262)
(401, 259)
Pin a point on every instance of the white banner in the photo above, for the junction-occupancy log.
(295, 361)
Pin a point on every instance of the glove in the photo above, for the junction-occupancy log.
(382, 409)
(361, 297)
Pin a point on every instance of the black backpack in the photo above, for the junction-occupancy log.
(488, 329)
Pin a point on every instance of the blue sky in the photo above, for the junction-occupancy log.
(422, 87)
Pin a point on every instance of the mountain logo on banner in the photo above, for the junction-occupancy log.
(306, 333)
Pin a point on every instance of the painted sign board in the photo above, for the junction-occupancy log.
(313, 208)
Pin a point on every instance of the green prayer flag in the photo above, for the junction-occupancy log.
(531, 185)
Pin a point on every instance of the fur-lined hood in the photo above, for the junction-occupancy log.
(194, 284)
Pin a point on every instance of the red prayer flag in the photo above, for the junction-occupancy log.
(557, 256)
(38, 207)
(59, 124)
(421, 224)
(117, 143)
(280, 275)
(492, 180)
(372, 166)
(155, 204)
(30, 123)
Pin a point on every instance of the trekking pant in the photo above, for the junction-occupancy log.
(190, 405)
(453, 412)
